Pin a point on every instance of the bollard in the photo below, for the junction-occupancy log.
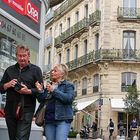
(118, 137)
(122, 138)
(135, 137)
(78, 136)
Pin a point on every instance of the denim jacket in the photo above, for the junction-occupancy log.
(64, 96)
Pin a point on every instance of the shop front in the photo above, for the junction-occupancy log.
(20, 23)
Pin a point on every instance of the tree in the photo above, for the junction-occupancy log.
(131, 101)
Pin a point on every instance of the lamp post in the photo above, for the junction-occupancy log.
(100, 104)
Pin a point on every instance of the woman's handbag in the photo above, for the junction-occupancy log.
(40, 113)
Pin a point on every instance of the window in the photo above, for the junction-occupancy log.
(68, 23)
(77, 16)
(129, 44)
(60, 28)
(84, 86)
(86, 11)
(85, 46)
(76, 51)
(13, 51)
(96, 41)
(128, 79)
(96, 83)
(129, 8)
(129, 3)
(59, 58)
(5, 46)
(68, 55)
(75, 87)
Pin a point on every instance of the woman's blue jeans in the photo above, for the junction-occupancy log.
(58, 130)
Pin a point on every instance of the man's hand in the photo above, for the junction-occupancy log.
(25, 90)
(9, 84)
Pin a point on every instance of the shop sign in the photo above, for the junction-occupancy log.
(32, 11)
(24, 7)
(18, 34)
(12, 30)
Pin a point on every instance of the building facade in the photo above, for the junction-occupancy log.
(99, 42)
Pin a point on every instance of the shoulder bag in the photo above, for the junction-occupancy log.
(40, 113)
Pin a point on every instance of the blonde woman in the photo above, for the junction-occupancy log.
(59, 112)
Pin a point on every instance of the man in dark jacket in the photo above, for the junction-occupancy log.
(111, 128)
(18, 82)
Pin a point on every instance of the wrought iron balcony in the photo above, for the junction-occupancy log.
(68, 4)
(76, 29)
(117, 54)
(94, 18)
(48, 41)
(57, 41)
(81, 61)
(105, 55)
(128, 14)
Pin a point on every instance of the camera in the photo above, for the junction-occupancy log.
(18, 86)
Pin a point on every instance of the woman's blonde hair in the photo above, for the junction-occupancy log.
(64, 69)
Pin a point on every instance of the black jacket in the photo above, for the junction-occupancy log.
(28, 76)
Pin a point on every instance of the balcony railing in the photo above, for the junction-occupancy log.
(65, 6)
(48, 41)
(105, 55)
(117, 54)
(81, 61)
(126, 14)
(78, 27)
(95, 18)
(57, 41)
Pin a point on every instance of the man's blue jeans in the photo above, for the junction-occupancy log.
(58, 130)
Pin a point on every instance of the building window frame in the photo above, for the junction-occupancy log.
(96, 81)
(128, 79)
(84, 86)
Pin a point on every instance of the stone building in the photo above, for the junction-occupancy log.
(99, 41)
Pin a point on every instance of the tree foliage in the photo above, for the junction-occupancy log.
(131, 100)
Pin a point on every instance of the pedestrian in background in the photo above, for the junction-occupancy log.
(59, 112)
(121, 128)
(111, 129)
(134, 123)
(94, 129)
(133, 127)
(18, 82)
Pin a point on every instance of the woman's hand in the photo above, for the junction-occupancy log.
(39, 86)
(50, 87)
